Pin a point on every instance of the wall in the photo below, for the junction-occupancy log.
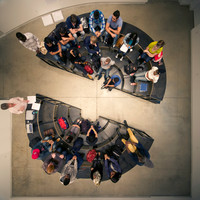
(14, 13)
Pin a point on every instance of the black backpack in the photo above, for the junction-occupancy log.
(96, 62)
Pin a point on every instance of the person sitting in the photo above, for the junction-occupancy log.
(157, 58)
(53, 162)
(92, 45)
(54, 48)
(65, 38)
(152, 75)
(29, 41)
(74, 25)
(97, 23)
(112, 82)
(16, 105)
(92, 136)
(70, 170)
(106, 63)
(130, 40)
(78, 61)
(96, 173)
(73, 131)
(112, 168)
(152, 49)
(113, 27)
(136, 150)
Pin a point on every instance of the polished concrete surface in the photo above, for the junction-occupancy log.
(22, 74)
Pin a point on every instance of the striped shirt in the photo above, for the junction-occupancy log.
(31, 43)
(100, 22)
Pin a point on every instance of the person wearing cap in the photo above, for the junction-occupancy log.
(16, 105)
(40, 151)
(136, 150)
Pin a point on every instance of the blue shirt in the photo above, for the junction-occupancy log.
(116, 76)
(100, 22)
(116, 24)
(69, 24)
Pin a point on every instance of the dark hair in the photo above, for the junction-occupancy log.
(116, 177)
(69, 139)
(116, 80)
(160, 43)
(133, 36)
(21, 36)
(91, 137)
(47, 40)
(4, 106)
(96, 14)
(66, 181)
(62, 30)
(116, 14)
(73, 18)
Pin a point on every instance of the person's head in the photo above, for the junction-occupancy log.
(115, 176)
(50, 168)
(21, 36)
(91, 137)
(73, 19)
(156, 72)
(4, 106)
(35, 153)
(115, 80)
(93, 39)
(48, 41)
(96, 14)
(62, 31)
(66, 180)
(68, 138)
(160, 43)
(107, 61)
(115, 16)
(97, 178)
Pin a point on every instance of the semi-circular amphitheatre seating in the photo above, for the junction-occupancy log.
(155, 92)
(51, 110)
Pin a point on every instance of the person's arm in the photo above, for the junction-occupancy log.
(125, 38)
(91, 22)
(37, 40)
(96, 135)
(103, 24)
(108, 28)
(88, 133)
(107, 84)
(117, 32)
(80, 27)
(118, 168)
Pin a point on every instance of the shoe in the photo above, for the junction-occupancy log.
(131, 50)
(96, 75)
(121, 58)
(117, 56)
(99, 77)
(125, 123)
(113, 46)
(89, 76)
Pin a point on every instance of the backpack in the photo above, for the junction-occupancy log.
(96, 62)
(62, 122)
(85, 24)
(91, 155)
(88, 69)
(85, 125)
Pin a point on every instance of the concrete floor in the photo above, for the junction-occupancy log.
(22, 74)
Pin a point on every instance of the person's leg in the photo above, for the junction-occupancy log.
(82, 34)
(79, 67)
(68, 157)
(132, 136)
(140, 74)
(106, 36)
(140, 78)
(115, 39)
(76, 38)
(107, 74)
(100, 72)
(57, 58)
(79, 159)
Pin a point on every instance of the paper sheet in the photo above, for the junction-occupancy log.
(32, 99)
(57, 16)
(35, 106)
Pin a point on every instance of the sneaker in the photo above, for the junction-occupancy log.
(131, 50)
(113, 46)
(121, 58)
(117, 56)
(96, 75)
(89, 76)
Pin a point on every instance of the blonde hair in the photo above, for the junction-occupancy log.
(50, 168)
(93, 39)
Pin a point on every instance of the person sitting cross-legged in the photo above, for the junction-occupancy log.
(54, 48)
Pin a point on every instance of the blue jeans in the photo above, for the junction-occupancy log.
(65, 47)
(140, 76)
(114, 39)
(145, 57)
(106, 73)
(57, 58)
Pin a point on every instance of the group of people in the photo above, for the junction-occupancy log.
(67, 159)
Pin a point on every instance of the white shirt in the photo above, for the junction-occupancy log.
(31, 43)
(103, 65)
(151, 75)
(20, 105)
